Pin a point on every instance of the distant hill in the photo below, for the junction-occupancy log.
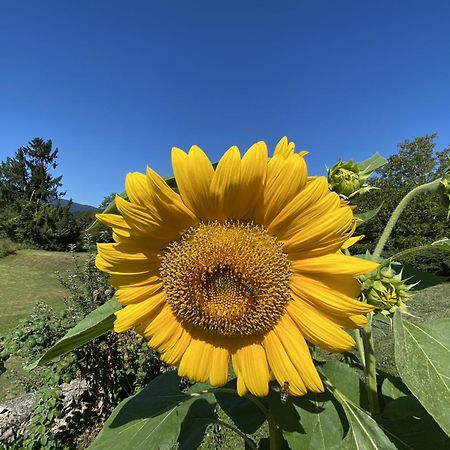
(76, 207)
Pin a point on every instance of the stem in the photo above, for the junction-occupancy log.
(274, 434)
(360, 345)
(249, 442)
(427, 187)
(370, 369)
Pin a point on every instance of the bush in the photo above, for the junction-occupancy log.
(427, 259)
(7, 247)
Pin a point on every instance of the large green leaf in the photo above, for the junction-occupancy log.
(406, 420)
(372, 164)
(159, 417)
(347, 381)
(314, 421)
(364, 432)
(95, 324)
(422, 355)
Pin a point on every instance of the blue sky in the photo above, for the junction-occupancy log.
(117, 84)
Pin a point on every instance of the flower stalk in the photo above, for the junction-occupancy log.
(427, 187)
(370, 369)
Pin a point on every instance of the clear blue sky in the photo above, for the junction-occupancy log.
(117, 84)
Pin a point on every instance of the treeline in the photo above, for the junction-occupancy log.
(30, 212)
(425, 219)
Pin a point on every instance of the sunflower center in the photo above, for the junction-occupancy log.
(228, 278)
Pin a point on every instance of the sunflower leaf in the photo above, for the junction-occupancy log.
(372, 164)
(366, 216)
(422, 356)
(349, 391)
(314, 421)
(160, 416)
(95, 324)
(406, 420)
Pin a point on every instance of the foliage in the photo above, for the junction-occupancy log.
(7, 247)
(432, 259)
(29, 193)
(115, 366)
(424, 221)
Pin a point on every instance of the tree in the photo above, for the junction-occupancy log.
(27, 191)
(425, 219)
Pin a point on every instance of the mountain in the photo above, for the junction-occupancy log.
(76, 207)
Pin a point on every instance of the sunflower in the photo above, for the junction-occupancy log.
(245, 263)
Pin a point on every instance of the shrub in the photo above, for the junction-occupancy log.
(427, 259)
(7, 247)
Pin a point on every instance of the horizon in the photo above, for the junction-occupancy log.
(116, 88)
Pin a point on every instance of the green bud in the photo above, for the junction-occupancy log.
(385, 290)
(347, 180)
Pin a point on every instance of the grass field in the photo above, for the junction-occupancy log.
(28, 277)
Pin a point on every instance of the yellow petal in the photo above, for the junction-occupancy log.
(281, 365)
(331, 226)
(196, 361)
(327, 298)
(252, 366)
(173, 355)
(164, 330)
(317, 328)
(351, 241)
(335, 264)
(137, 189)
(298, 352)
(285, 178)
(253, 175)
(194, 173)
(284, 148)
(281, 226)
(169, 209)
(219, 366)
(133, 315)
(225, 185)
(134, 294)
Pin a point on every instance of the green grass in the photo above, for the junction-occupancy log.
(28, 277)
(7, 247)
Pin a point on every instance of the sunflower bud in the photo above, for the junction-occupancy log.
(347, 180)
(385, 290)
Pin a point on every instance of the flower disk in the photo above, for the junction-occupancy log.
(230, 279)
(244, 265)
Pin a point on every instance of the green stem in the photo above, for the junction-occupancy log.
(370, 369)
(360, 345)
(427, 187)
(250, 443)
(274, 434)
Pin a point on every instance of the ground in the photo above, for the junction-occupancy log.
(29, 277)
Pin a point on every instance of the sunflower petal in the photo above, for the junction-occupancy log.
(194, 190)
(225, 185)
(317, 328)
(335, 263)
(252, 363)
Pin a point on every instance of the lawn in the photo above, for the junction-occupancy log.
(27, 278)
